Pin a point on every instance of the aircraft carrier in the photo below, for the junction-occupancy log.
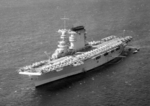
(75, 55)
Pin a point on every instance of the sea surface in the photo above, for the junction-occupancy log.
(28, 28)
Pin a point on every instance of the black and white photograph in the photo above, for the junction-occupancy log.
(74, 52)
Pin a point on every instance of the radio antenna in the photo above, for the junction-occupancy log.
(65, 19)
(47, 54)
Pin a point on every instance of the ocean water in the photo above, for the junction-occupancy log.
(28, 28)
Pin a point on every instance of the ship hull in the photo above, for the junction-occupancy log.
(88, 65)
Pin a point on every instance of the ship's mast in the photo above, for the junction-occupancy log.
(63, 43)
(65, 20)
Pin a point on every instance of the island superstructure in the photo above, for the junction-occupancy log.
(75, 55)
